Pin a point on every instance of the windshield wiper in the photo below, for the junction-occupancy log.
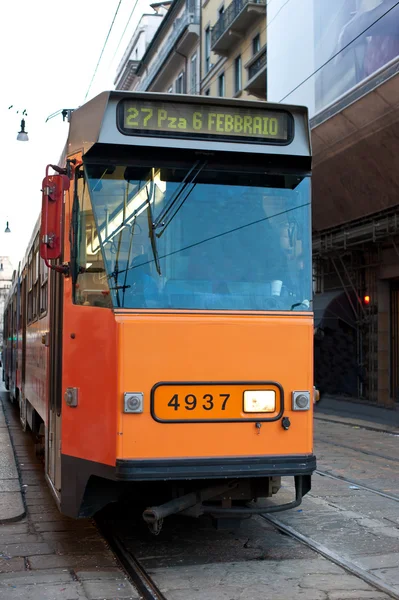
(160, 221)
(151, 233)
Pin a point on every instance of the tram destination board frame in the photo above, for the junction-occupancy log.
(207, 121)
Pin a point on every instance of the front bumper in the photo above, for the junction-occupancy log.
(214, 468)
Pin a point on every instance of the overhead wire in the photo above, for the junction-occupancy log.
(339, 51)
(124, 31)
(214, 77)
(103, 48)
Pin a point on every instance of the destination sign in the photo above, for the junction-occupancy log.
(177, 119)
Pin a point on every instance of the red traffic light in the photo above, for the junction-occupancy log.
(366, 300)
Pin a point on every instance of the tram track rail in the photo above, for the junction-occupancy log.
(332, 556)
(138, 575)
(358, 424)
(359, 450)
(361, 486)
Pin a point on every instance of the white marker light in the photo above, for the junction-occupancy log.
(259, 401)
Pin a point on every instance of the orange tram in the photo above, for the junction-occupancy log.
(159, 331)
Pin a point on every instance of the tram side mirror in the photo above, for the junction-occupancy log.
(53, 189)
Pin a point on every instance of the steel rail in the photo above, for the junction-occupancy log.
(392, 431)
(366, 452)
(145, 585)
(357, 484)
(345, 564)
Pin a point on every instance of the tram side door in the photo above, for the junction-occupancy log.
(53, 441)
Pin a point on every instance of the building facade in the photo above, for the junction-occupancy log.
(233, 48)
(341, 59)
(170, 63)
(6, 272)
(142, 37)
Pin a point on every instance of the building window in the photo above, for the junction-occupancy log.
(170, 90)
(237, 74)
(208, 92)
(193, 74)
(221, 84)
(221, 10)
(256, 44)
(207, 49)
(179, 85)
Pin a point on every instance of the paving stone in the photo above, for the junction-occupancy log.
(10, 485)
(72, 561)
(377, 561)
(26, 549)
(390, 574)
(71, 536)
(37, 577)
(327, 582)
(62, 526)
(11, 565)
(44, 503)
(20, 527)
(97, 574)
(98, 590)
(79, 547)
(61, 591)
(11, 506)
(357, 595)
(18, 538)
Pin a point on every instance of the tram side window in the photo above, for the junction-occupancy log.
(14, 314)
(92, 287)
(43, 287)
(35, 275)
(30, 289)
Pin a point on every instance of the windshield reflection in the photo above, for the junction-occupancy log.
(201, 237)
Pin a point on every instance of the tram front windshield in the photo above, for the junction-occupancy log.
(195, 235)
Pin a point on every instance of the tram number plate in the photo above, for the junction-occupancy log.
(201, 402)
(207, 402)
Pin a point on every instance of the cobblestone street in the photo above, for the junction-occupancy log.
(46, 556)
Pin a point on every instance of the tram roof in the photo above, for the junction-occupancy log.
(96, 122)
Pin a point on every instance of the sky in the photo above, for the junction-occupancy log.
(49, 50)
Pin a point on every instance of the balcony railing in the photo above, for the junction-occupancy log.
(258, 64)
(178, 29)
(229, 16)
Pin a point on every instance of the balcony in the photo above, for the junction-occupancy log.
(128, 75)
(184, 34)
(257, 68)
(238, 16)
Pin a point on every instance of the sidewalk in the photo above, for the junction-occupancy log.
(357, 413)
(45, 555)
(11, 503)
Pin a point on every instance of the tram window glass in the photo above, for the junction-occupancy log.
(35, 272)
(224, 238)
(20, 305)
(30, 288)
(91, 288)
(14, 313)
(43, 287)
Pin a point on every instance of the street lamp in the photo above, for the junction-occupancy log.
(22, 135)
(7, 229)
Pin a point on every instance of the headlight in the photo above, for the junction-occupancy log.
(258, 401)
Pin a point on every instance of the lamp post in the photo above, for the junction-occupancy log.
(23, 135)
